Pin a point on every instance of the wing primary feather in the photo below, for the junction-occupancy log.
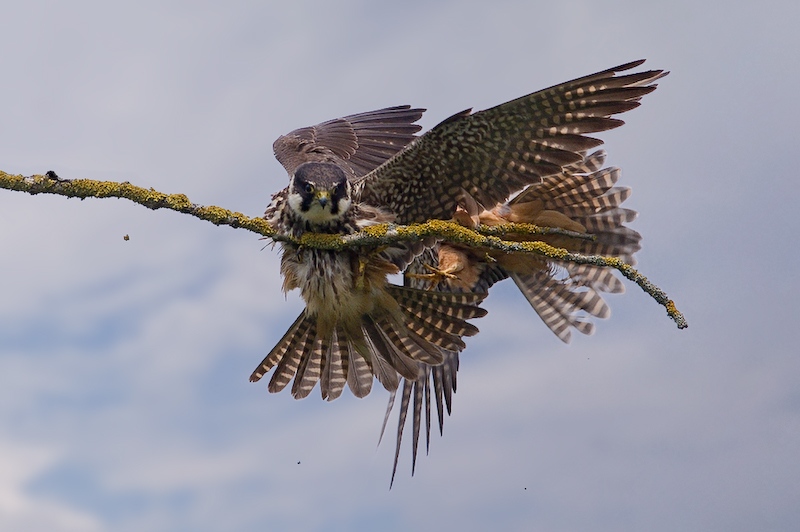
(392, 396)
(417, 418)
(400, 424)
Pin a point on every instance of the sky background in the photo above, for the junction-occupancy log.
(124, 396)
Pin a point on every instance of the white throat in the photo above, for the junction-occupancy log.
(317, 214)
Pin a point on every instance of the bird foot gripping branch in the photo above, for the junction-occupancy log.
(435, 276)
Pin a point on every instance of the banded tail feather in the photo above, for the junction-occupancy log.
(386, 345)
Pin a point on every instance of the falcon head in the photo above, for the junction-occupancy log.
(319, 192)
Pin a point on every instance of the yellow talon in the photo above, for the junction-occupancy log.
(435, 277)
(362, 268)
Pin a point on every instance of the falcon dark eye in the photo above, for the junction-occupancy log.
(309, 188)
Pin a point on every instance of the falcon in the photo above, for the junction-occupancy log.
(370, 168)
(355, 324)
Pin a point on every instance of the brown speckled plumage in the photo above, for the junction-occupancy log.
(469, 167)
(355, 325)
(581, 197)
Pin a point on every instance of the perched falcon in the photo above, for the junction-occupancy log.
(364, 169)
(355, 324)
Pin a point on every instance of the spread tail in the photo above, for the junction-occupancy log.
(386, 344)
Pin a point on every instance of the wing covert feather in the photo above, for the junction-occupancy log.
(359, 142)
(494, 153)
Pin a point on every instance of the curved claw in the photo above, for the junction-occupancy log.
(436, 276)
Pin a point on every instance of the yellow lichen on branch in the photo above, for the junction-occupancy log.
(87, 188)
(377, 235)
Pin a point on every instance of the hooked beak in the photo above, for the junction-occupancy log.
(323, 197)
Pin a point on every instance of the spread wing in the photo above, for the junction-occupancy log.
(358, 142)
(563, 294)
(494, 153)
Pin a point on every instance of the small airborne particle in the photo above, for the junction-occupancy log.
(126, 238)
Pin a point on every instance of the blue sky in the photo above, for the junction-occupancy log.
(124, 399)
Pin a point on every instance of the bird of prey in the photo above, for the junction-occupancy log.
(355, 324)
(349, 173)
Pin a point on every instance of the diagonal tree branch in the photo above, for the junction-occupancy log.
(87, 188)
(384, 234)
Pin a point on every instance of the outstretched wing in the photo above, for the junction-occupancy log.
(494, 153)
(359, 142)
(566, 296)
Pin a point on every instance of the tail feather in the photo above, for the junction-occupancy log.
(389, 343)
(334, 373)
(578, 183)
(376, 356)
(438, 389)
(359, 374)
(283, 346)
(310, 368)
(379, 334)
(287, 366)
